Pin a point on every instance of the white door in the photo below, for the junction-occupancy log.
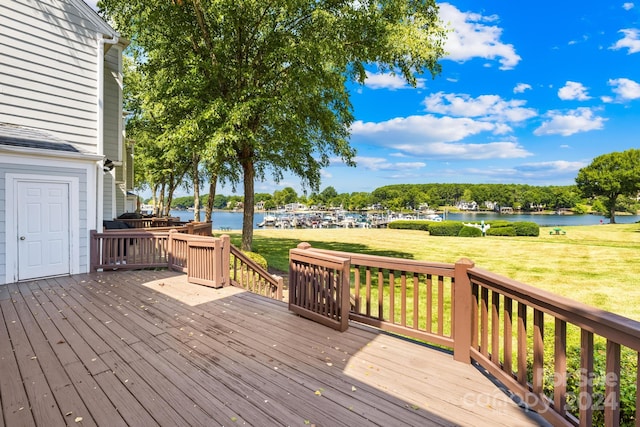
(43, 229)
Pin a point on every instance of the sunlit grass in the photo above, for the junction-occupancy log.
(596, 265)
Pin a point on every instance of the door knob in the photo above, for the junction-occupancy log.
(22, 238)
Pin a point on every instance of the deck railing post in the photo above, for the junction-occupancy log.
(461, 306)
(93, 252)
(170, 243)
(225, 259)
(218, 266)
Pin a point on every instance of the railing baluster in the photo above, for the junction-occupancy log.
(416, 300)
(637, 389)
(429, 303)
(440, 305)
(392, 297)
(368, 290)
(495, 328)
(484, 322)
(356, 281)
(586, 375)
(612, 386)
(560, 367)
(380, 294)
(475, 293)
(403, 298)
(538, 352)
(522, 343)
(508, 335)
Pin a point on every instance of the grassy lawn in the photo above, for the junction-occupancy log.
(597, 265)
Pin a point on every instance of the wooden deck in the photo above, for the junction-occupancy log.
(145, 348)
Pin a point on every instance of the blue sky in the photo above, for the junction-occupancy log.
(529, 93)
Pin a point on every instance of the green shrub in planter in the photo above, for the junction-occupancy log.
(470, 232)
(259, 259)
(410, 225)
(499, 223)
(525, 228)
(445, 228)
(501, 231)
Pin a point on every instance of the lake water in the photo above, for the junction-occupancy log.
(233, 220)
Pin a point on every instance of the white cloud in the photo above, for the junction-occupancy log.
(389, 81)
(471, 37)
(325, 174)
(625, 89)
(628, 6)
(557, 166)
(521, 87)
(431, 136)
(380, 163)
(418, 130)
(631, 41)
(487, 107)
(457, 151)
(571, 122)
(573, 91)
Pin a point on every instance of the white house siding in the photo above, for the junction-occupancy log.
(48, 60)
(113, 149)
(51, 167)
(113, 105)
(108, 208)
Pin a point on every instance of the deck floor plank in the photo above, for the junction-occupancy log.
(41, 401)
(147, 348)
(314, 378)
(13, 396)
(255, 331)
(235, 354)
(154, 399)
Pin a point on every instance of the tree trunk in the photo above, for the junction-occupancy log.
(196, 188)
(213, 181)
(160, 205)
(247, 217)
(612, 213)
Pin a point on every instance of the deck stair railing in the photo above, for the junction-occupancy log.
(251, 276)
(207, 260)
(519, 334)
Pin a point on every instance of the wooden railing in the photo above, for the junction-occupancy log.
(408, 297)
(247, 274)
(128, 249)
(206, 260)
(519, 334)
(151, 222)
(322, 288)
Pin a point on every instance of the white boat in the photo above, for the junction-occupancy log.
(147, 209)
(268, 221)
(433, 217)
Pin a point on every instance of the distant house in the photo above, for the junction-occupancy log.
(467, 206)
(295, 207)
(64, 167)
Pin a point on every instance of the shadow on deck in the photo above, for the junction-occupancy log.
(147, 348)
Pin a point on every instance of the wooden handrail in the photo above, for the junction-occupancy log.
(190, 249)
(420, 305)
(247, 274)
(501, 324)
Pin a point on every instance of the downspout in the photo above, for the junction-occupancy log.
(102, 40)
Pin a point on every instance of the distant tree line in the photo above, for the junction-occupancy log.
(410, 197)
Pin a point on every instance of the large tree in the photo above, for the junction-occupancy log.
(610, 176)
(267, 80)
